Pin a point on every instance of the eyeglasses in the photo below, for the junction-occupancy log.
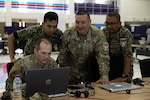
(111, 23)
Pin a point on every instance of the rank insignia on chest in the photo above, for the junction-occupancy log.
(105, 46)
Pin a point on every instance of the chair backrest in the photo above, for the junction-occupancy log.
(9, 66)
(136, 38)
(92, 68)
(20, 44)
(145, 67)
(17, 44)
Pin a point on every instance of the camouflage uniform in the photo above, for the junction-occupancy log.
(33, 33)
(120, 45)
(40, 96)
(76, 49)
(24, 64)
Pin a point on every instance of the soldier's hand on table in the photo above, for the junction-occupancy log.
(101, 81)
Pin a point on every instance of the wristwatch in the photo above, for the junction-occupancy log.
(124, 75)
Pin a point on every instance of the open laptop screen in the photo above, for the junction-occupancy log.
(50, 81)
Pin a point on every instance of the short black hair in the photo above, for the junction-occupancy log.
(115, 14)
(83, 12)
(50, 16)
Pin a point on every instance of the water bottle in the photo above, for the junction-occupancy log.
(17, 88)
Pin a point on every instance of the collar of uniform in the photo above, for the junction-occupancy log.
(74, 35)
(36, 62)
(88, 35)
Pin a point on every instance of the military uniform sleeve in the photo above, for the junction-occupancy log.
(20, 34)
(52, 63)
(102, 52)
(64, 52)
(55, 64)
(18, 68)
(59, 41)
(25, 33)
(127, 49)
(9, 82)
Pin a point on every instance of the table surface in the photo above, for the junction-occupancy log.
(3, 40)
(101, 94)
(140, 46)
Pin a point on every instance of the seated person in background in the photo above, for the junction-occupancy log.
(148, 35)
(48, 30)
(3, 49)
(78, 44)
(120, 48)
(40, 59)
(2, 44)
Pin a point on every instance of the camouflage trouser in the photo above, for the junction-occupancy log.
(40, 96)
(76, 79)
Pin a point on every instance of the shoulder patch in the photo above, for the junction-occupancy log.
(105, 46)
(123, 42)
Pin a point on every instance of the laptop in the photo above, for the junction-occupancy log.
(119, 86)
(52, 81)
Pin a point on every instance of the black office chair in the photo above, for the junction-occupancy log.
(144, 52)
(136, 38)
(9, 66)
(145, 67)
(92, 68)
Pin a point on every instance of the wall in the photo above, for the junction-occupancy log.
(2, 25)
(130, 10)
(135, 10)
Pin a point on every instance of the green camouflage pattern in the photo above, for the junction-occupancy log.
(33, 33)
(76, 49)
(40, 96)
(22, 65)
(114, 40)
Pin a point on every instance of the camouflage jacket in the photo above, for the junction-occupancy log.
(120, 43)
(33, 33)
(21, 67)
(76, 49)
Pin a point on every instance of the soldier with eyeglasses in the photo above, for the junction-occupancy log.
(120, 48)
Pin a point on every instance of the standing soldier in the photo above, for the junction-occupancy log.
(48, 30)
(120, 48)
(81, 45)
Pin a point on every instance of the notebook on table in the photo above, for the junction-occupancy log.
(119, 86)
(53, 81)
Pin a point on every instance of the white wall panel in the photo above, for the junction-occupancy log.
(130, 10)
